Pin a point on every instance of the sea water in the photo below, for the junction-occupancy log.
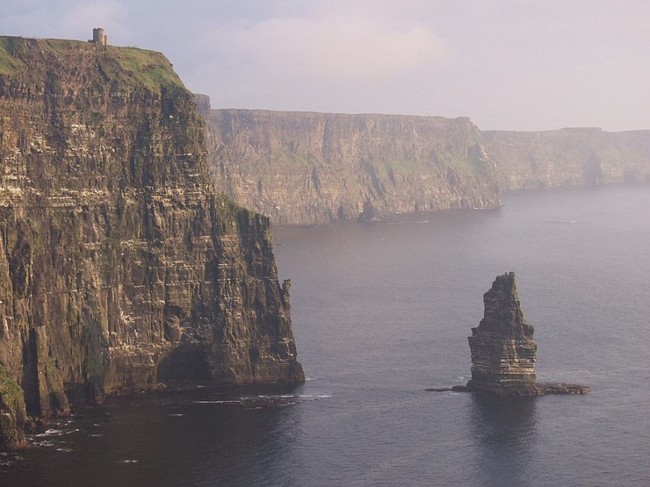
(381, 312)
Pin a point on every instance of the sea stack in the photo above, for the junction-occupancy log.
(503, 349)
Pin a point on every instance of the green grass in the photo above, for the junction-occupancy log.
(59, 45)
(405, 166)
(9, 64)
(10, 391)
(147, 67)
(126, 65)
(462, 164)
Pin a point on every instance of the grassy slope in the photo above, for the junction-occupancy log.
(150, 68)
(9, 64)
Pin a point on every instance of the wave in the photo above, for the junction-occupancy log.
(236, 401)
(49, 432)
(266, 400)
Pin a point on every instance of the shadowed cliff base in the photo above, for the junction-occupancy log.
(120, 266)
(503, 350)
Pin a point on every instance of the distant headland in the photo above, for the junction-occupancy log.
(303, 168)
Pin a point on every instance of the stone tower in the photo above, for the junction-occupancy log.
(99, 37)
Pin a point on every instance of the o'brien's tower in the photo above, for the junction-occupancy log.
(99, 37)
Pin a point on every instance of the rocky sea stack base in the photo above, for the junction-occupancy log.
(504, 351)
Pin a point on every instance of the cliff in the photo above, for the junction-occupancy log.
(503, 350)
(568, 157)
(304, 168)
(120, 268)
(307, 168)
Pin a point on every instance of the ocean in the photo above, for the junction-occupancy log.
(381, 312)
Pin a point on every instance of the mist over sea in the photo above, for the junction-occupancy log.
(382, 311)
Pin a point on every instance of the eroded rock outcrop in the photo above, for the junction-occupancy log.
(120, 268)
(503, 350)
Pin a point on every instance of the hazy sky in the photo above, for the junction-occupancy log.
(507, 64)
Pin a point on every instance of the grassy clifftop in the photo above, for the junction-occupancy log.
(123, 64)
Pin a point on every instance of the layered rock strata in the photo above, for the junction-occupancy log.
(306, 168)
(120, 268)
(503, 350)
(310, 168)
(568, 157)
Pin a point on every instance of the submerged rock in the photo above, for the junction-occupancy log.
(503, 349)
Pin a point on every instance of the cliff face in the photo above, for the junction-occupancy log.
(568, 157)
(304, 168)
(119, 267)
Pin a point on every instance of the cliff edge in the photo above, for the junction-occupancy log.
(120, 268)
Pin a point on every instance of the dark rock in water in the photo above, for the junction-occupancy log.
(503, 350)
(459, 389)
(560, 388)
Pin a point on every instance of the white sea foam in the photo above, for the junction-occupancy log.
(218, 402)
(49, 432)
(42, 444)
